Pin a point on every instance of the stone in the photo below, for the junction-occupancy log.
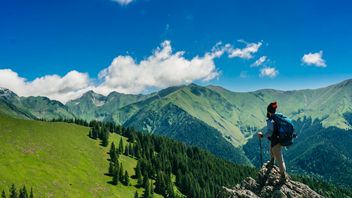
(270, 184)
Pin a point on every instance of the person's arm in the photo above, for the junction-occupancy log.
(269, 128)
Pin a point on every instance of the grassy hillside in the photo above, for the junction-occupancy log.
(210, 117)
(57, 160)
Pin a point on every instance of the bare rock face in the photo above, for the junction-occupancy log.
(270, 184)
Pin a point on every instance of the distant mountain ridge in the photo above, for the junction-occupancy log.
(212, 117)
(236, 115)
(33, 107)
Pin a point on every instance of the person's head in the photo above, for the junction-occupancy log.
(271, 109)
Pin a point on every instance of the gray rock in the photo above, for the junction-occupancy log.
(270, 184)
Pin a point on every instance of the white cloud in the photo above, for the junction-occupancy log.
(315, 59)
(162, 69)
(70, 86)
(259, 61)
(123, 2)
(270, 72)
(246, 52)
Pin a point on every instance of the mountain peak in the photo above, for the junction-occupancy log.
(6, 93)
(193, 85)
(345, 83)
(114, 93)
(270, 184)
(92, 94)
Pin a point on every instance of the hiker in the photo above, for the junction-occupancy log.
(275, 145)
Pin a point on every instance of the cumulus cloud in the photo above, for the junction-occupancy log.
(70, 86)
(246, 53)
(162, 69)
(259, 61)
(270, 72)
(123, 2)
(314, 59)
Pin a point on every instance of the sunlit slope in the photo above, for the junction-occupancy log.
(57, 160)
(31, 107)
(328, 104)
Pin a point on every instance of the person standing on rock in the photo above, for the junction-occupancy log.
(272, 135)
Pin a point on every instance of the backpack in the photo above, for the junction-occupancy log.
(285, 129)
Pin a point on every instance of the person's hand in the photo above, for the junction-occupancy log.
(260, 134)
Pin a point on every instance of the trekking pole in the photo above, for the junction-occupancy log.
(260, 135)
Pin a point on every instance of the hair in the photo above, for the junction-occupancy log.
(272, 108)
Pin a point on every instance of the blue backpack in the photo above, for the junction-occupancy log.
(285, 129)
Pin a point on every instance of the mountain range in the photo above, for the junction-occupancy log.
(219, 120)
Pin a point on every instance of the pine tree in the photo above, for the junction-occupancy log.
(126, 178)
(13, 191)
(139, 174)
(137, 152)
(31, 195)
(127, 151)
(3, 194)
(105, 137)
(140, 181)
(130, 149)
(121, 178)
(115, 177)
(111, 168)
(136, 195)
(95, 131)
(112, 152)
(147, 193)
(117, 166)
(121, 146)
(23, 192)
(90, 133)
(145, 180)
(160, 186)
(170, 190)
(151, 188)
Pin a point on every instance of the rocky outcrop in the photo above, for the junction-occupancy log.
(270, 184)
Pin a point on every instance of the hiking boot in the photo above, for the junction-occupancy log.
(271, 162)
(284, 177)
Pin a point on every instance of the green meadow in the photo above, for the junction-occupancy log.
(58, 160)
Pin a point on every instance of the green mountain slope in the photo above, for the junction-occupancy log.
(236, 115)
(211, 117)
(32, 107)
(172, 121)
(8, 99)
(93, 106)
(43, 107)
(58, 160)
(86, 106)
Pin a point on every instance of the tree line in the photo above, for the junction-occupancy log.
(14, 193)
(165, 164)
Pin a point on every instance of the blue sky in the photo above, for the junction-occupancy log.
(41, 38)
